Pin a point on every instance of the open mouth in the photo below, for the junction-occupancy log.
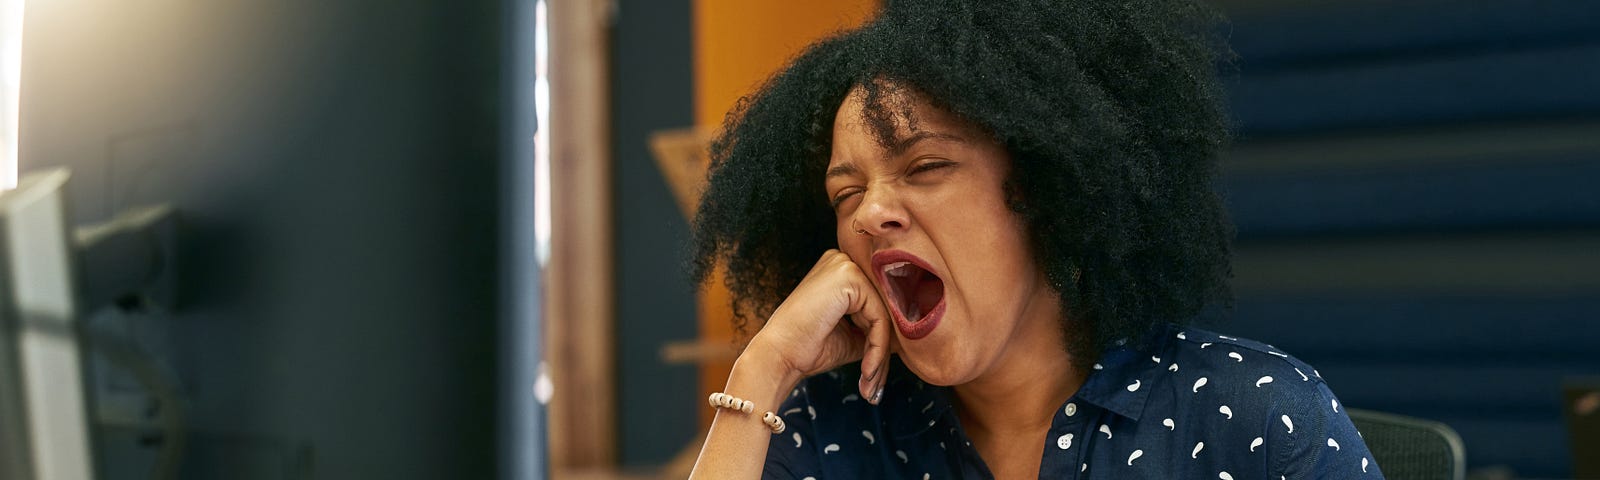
(914, 293)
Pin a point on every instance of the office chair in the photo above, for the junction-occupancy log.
(1411, 448)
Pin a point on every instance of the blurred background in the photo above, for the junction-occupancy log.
(445, 239)
(1414, 184)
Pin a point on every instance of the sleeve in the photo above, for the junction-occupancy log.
(794, 454)
(1317, 439)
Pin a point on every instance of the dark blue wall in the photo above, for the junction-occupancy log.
(1414, 188)
(652, 89)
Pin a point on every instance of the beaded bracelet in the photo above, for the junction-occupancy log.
(723, 400)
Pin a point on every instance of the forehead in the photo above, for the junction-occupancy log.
(881, 116)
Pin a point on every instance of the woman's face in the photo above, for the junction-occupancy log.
(927, 220)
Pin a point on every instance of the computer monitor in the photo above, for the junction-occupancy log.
(355, 296)
(44, 419)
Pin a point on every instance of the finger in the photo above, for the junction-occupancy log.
(868, 382)
(869, 309)
(878, 345)
(893, 349)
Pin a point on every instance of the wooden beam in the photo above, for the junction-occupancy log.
(579, 320)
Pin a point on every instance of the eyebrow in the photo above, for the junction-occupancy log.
(904, 144)
(899, 147)
(841, 170)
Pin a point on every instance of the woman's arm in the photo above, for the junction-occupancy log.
(806, 335)
(736, 447)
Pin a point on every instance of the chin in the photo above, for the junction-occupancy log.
(938, 368)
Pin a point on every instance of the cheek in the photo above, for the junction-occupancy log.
(998, 260)
(858, 247)
(990, 246)
(1011, 256)
(844, 235)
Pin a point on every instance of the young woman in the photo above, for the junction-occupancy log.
(1004, 211)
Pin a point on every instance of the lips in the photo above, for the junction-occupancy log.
(914, 293)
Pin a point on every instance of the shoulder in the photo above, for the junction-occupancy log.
(1270, 397)
(1239, 364)
(1252, 376)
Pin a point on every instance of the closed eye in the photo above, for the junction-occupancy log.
(931, 166)
(842, 196)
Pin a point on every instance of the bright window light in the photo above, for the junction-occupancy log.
(541, 139)
(10, 88)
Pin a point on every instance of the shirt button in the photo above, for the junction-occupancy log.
(1072, 409)
(1064, 441)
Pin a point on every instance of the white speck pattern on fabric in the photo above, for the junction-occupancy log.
(1237, 409)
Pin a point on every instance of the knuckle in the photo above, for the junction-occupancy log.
(847, 295)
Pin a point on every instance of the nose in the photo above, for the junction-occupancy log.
(881, 213)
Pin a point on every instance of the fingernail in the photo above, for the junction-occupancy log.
(877, 396)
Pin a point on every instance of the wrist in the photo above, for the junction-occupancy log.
(760, 375)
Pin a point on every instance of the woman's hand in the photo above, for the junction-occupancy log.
(806, 334)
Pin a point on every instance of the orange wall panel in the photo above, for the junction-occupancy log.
(737, 45)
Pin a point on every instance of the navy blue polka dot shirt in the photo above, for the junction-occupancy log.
(1186, 404)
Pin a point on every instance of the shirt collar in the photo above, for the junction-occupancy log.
(1122, 380)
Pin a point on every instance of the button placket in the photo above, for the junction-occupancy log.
(1071, 439)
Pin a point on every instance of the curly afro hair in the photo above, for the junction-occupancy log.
(1109, 109)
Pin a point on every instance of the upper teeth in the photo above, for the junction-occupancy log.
(897, 269)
